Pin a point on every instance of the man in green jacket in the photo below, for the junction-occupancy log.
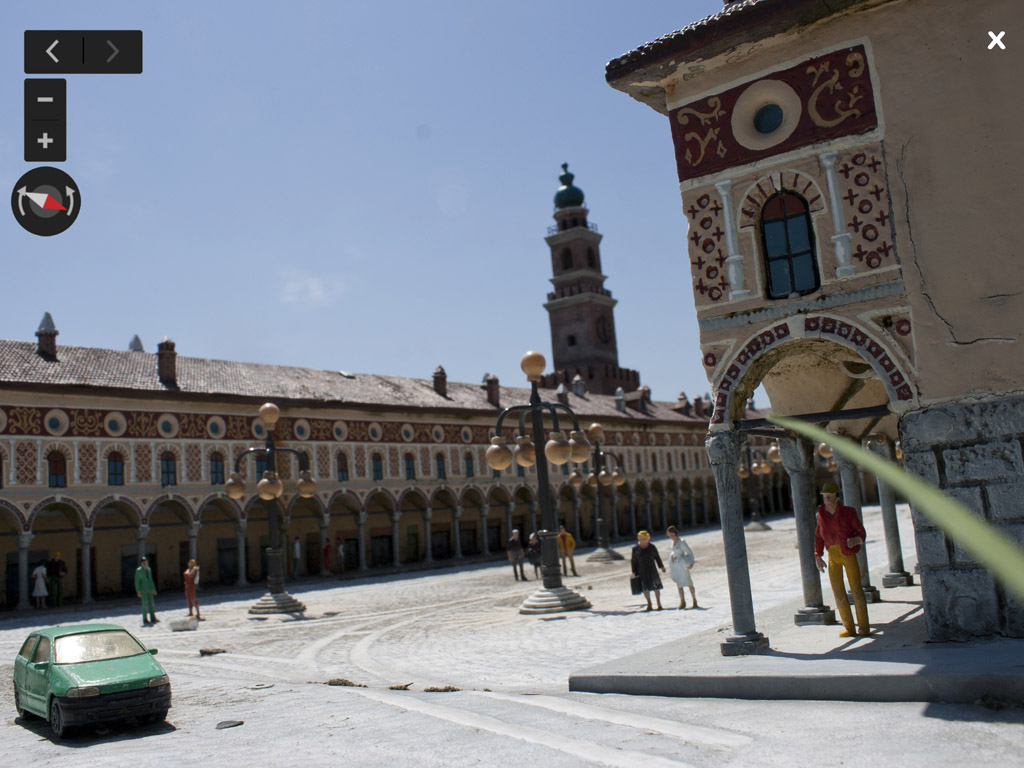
(146, 589)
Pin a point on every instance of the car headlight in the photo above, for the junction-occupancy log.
(83, 692)
(161, 680)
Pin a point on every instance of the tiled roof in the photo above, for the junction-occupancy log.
(758, 18)
(136, 373)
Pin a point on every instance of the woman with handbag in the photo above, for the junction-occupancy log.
(680, 562)
(645, 564)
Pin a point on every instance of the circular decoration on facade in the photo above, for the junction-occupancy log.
(259, 429)
(711, 273)
(652, 439)
(635, 438)
(115, 424)
(619, 439)
(859, 159)
(869, 232)
(668, 439)
(167, 425)
(864, 206)
(902, 328)
(216, 428)
(861, 179)
(714, 293)
(408, 433)
(466, 434)
(3, 420)
(710, 359)
(706, 222)
(765, 114)
(437, 433)
(375, 431)
(301, 429)
(873, 260)
(339, 430)
(56, 422)
(704, 200)
(708, 245)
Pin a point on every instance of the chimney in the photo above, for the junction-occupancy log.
(562, 393)
(579, 386)
(620, 399)
(493, 392)
(440, 381)
(135, 345)
(698, 407)
(167, 363)
(683, 405)
(47, 335)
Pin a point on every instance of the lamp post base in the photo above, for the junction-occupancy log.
(553, 600)
(757, 525)
(604, 555)
(277, 602)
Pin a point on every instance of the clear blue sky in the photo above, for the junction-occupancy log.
(359, 186)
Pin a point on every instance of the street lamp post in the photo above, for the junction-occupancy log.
(754, 468)
(601, 478)
(552, 597)
(270, 489)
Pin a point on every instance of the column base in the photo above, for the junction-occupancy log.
(870, 594)
(554, 600)
(814, 616)
(279, 602)
(605, 556)
(757, 525)
(745, 645)
(897, 579)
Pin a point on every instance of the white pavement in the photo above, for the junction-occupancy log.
(462, 629)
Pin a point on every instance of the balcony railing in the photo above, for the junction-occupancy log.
(554, 230)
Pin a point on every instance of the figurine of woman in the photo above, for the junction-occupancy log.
(39, 590)
(680, 561)
(533, 554)
(645, 563)
(191, 579)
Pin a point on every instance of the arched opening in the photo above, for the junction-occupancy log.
(787, 239)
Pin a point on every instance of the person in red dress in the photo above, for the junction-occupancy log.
(190, 579)
(842, 533)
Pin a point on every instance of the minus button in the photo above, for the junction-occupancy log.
(45, 99)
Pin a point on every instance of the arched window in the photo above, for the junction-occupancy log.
(58, 469)
(342, 468)
(439, 464)
(566, 258)
(377, 466)
(654, 462)
(410, 467)
(591, 260)
(115, 468)
(168, 469)
(216, 469)
(469, 465)
(788, 246)
(261, 465)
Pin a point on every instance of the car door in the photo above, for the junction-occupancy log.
(37, 678)
(21, 663)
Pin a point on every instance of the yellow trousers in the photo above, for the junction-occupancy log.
(837, 561)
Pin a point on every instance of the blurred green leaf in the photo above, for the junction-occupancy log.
(988, 545)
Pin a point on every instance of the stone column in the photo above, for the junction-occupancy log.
(428, 516)
(396, 551)
(679, 509)
(240, 527)
(577, 534)
(140, 539)
(798, 459)
(664, 509)
(533, 520)
(85, 538)
(693, 505)
(632, 513)
(734, 261)
(485, 510)
(508, 521)
(24, 539)
(770, 495)
(897, 575)
(851, 498)
(705, 497)
(361, 532)
(193, 543)
(723, 453)
(324, 542)
(456, 532)
(840, 240)
(647, 510)
(613, 520)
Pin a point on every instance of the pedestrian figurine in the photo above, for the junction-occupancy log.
(680, 561)
(339, 546)
(842, 533)
(191, 580)
(515, 555)
(56, 570)
(296, 554)
(566, 546)
(327, 555)
(146, 590)
(39, 591)
(533, 554)
(645, 564)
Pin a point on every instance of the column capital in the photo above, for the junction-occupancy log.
(24, 539)
(457, 511)
(85, 536)
(828, 159)
(395, 516)
(361, 518)
(797, 454)
(723, 186)
(485, 510)
(428, 513)
(723, 447)
(241, 525)
(193, 530)
(142, 532)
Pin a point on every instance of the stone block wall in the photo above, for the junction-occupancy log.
(974, 452)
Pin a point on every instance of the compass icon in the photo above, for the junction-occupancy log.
(46, 201)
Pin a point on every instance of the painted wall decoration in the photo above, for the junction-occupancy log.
(707, 248)
(822, 98)
(865, 199)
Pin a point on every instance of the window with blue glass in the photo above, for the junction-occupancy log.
(168, 469)
(115, 468)
(216, 469)
(520, 472)
(439, 463)
(495, 473)
(469, 465)
(58, 469)
(565, 468)
(410, 467)
(790, 263)
(261, 466)
(342, 468)
(377, 466)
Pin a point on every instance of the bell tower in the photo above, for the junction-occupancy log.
(580, 308)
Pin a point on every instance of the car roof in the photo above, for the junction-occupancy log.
(54, 632)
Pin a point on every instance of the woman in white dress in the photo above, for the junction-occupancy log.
(39, 590)
(680, 562)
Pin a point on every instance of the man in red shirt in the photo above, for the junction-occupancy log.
(841, 531)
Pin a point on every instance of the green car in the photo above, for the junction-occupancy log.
(91, 673)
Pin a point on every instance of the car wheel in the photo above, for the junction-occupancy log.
(60, 730)
(23, 713)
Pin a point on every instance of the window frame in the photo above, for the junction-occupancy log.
(57, 479)
(115, 478)
(788, 255)
(168, 469)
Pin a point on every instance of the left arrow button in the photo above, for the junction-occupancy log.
(49, 51)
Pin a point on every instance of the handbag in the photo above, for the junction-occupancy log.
(636, 585)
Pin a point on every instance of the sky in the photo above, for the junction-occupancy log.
(363, 186)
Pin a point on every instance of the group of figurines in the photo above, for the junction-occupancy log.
(646, 561)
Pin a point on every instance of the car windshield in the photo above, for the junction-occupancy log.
(96, 646)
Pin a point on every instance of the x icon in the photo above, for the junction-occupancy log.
(996, 40)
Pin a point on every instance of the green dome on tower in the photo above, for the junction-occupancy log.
(567, 195)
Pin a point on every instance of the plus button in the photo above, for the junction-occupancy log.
(46, 141)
